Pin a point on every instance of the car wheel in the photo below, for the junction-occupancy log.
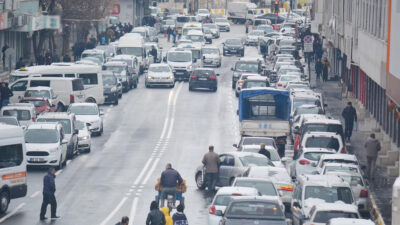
(199, 181)
(236, 94)
(4, 201)
(147, 85)
(214, 89)
(233, 85)
(242, 54)
(190, 88)
(88, 150)
(90, 100)
(116, 101)
(101, 130)
(172, 85)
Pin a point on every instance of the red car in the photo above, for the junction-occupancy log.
(41, 104)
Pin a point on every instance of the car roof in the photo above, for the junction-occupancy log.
(349, 221)
(115, 63)
(276, 174)
(93, 51)
(39, 88)
(237, 190)
(123, 57)
(267, 147)
(158, 65)
(339, 156)
(340, 164)
(271, 199)
(56, 115)
(306, 106)
(257, 179)
(179, 50)
(321, 180)
(345, 173)
(43, 125)
(247, 137)
(204, 68)
(321, 134)
(195, 32)
(326, 150)
(241, 154)
(257, 78)
(337, 206)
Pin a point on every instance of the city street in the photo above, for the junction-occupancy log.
(148, 129)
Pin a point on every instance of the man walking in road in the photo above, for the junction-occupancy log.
(153, 52)
(372, 147)
(5, 93)
(155, 216)
(170, 178)
(247, 26)
(49, 188)
(325, 66)
(350, 116)
(124, 221)
(318, 68)
(264, 151)
(211, 162)
(3, 55)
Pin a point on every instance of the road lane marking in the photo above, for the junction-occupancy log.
(58, 172)
(68, 162)
(35, 194)
(133, 210)
(151, 171)
(171, 125)
(143, 171)
(105, 221)
(12, 212)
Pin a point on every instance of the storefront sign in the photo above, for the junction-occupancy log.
(36, 23)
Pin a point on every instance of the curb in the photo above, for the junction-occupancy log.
(374, 211)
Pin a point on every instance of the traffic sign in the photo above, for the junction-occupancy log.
(308, 39)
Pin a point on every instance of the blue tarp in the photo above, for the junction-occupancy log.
(281, 97)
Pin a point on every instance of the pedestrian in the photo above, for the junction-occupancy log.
(169, 31)
(3, 55)
(56, 57)
(247, 26)
(103, 40)
(350, 116)
(48, 57)
(174, 35)
(6, 93)
(66, 58)
(325, 66)
(40, 59)
(211, 163)
(20, 63)
(49, 188)
(124, 221)
(372, 146)
(153, 52)
(155, 216)
(179, 217)
(168, 218)
(170, 178)
(264, 151)
(318, 68)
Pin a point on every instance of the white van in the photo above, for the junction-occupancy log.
(12, 166)
(68, 90)
(90, 75)
(96, 53)
(133, 44)
(191, 26)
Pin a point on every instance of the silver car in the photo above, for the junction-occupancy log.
(213, 28)
(159, 74)
(233, 164)
(303, 163)
(211, 56)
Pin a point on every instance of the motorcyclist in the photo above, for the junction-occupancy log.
(170, 178)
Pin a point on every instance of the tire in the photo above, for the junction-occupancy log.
(172, 85)
(4, 201)
(199, 182)
(135, 85)
(236, 94)
(147, 86)
(190, 88)
(233, 85)
(101, 130)
(116, 102)
(242, 54)
(214, 89)
(224, 54)
(91, 100)
(88, 150)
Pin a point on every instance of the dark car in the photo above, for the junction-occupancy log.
(234, 46)
(110, 84)
(275, 19)
(246, 65)
(260, 210)
(41, 104)
(203, 78)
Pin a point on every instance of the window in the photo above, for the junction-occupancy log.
(52, 75)
(227, 160)
(329, 194)
(19, 114)
(11, 155)
(77, 85)
(20, 86)
(69, 75)
(42, 83)
(88, 78)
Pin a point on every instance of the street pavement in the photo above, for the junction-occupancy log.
(149, 128)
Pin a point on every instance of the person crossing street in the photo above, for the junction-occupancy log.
(350, 116)
(211, 163)
(49, 188)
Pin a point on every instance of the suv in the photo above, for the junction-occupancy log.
(246, 65)
(203, 78)
(111, 91)
(68, 122)
(234, 46)
(314, 189)
(45, 145)
(121, 70)
(24, 112)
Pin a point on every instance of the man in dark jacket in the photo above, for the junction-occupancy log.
(318, 68)
(49, 188)
(124, 221)
(6, 93)
(372, 147)
(20, 64)
(350, 116)
(264, 151)
(3, 55)
(153, 52)
(211, 163)
(169, 179)
(155, 216)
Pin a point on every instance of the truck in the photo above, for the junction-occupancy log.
(240, 12)
(265, 112)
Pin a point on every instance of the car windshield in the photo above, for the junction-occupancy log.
(95, 55)
(247, 67)
(9, 121)
(204, 72)
(19, 114)
(266, 29)
(203, 11)
(264, 187)
(136, 51)
(210, 26)
(307, 110)
(255, 84)
(329, 194)
(233, 42)
(179, 57)
(222, 200)
(300, 102)
(255, 161)
(45, 136)
(325, 216)
(257, 33)
(322, 142)
(83, 110)
(182, 19)
(274, 154)
(109, 80)
(115, 69)
(253, 209)
(289, 78)
(354, 181)
(169, 22)
(37, 94)
(141, 32)
(323, 127)
(221, 20)
(212, 51)
(340, 169)
(258, 141)
(285, 71)
(315, 156)
(36, 103)
(66, 124)
(160, 69)
(195, 38)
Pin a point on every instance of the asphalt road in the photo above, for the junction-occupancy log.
(149, 128)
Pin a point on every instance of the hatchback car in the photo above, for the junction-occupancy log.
(111, 87)
(41, 104)
(253, 36)
(323, 140)
(283, 80)
(223, 24)
(211, 56)
(255, 82)
(233, 46)
(303, 161)
(42, 92)
(241, 81)
(275, 158)
(90, 114)
(213, 28)
(203, 78)
(84, 139)
(159, 75)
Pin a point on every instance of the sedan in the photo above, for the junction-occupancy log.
(233, 46)
(211, 56)
(159, 75)
(284, 80)
(302, 163)
(203, 78)
(223, 24)
(233, 164)
(84, 139)
(88, 113)
(252, 37)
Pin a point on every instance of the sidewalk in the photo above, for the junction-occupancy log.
(3, 74)
(381, 187)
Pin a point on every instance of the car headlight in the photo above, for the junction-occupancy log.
(171, 77)
(150, 77)
(190, 67)
(113, 89)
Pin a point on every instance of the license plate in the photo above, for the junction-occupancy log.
(36, 159)
(179, 73)
(202, 78)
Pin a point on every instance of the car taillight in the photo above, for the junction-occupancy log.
(33, 119)
(363, 194)
(71, 98)
(193, 76)
(212, 210)
(236, 194)
(287, 188)
(304, 162)
(213, 77)
(279, 85)
(240, 82)
(342, 151)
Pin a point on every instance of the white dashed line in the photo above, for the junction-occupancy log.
(58, 172)
(35, 194)
(12, 212)
(105, 221)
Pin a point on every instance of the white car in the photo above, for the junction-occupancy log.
(348, 221)
(253, 36)
(323, 140)
(223, 24)
(24, 112)
(284, 80)
(45, 145)
(241, 80)
(287, 68)
(88, 113)
(275, 158)
(303, 162)
(84, 139)
(159, 75)
(42, 92)
(202, 14)
(321, 213)
(336, 158)
(213, 28)
(223, 197)
(211, 56)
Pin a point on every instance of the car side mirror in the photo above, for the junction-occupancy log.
(217, 74)
(297, 205)
(235, 145)
(219, 213)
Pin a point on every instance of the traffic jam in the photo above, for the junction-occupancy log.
(286, 163)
